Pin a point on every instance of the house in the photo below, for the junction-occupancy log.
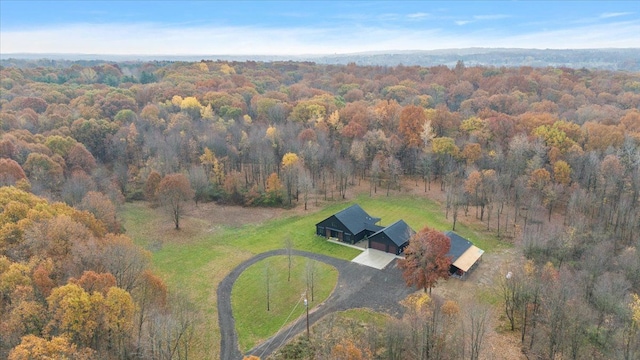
(393, 238)
(464, 255)
(349, 225)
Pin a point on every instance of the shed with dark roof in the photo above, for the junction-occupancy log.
(464, 255)
(393, 238)
(349, 225)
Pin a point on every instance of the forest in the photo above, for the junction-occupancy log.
(548, 158)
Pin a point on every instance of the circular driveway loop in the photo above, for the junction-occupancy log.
(358, 286)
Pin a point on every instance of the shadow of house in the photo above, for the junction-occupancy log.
(464, 255)
(393, 238)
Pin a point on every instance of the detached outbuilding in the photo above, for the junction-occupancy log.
(464, 255)
(349, 225)
(393, 238)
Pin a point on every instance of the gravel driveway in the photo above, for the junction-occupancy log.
(358, 286)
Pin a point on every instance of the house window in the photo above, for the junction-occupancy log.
(320, 231)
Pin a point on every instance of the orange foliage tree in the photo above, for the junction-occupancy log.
(412, 118)
(173, 191)
(426, 259)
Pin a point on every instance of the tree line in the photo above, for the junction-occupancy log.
(548, 158)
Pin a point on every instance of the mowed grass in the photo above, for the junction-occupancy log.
(195, 259)
(363, 316)
(249, 296)
(419, 212)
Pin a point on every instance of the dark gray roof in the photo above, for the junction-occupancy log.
(356, 219)
(373, 228)
(458, 245)
(399, 232)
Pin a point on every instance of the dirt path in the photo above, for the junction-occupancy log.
(358, 286)
(482, 283)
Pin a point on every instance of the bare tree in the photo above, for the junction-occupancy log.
(288, 245)
(310, 276)
(305, 185)
(477, 316)
(267, 275)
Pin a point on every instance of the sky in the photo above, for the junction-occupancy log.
(310, 27)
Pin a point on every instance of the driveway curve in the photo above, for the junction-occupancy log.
(358, 286)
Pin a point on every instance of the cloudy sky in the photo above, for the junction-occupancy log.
(301, 28)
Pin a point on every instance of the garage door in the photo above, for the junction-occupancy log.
(378, 246)
(392, 249)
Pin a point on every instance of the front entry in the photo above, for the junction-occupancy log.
(335, 234)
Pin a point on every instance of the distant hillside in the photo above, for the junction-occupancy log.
(607, 59)
(610, 59)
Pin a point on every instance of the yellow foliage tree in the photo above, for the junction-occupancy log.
(562, 172)
(289, 160)
(272, 134)
(176, 100)
(334, 121)
(274, 187)
(417, 302)
(227, 69)
(290, 168)
(346, 350)
(444, 146)
(539, 178)
(73, 313)
(212, 166)
(202, 66)
(59, 347)
(119, 310)
(635, 309)
(206, 112)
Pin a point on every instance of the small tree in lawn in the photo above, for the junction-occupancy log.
(426, 259)
(267, 276)
(288, 245)
(310, 275)
(173, 191)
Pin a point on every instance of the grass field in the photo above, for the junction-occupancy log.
(195, 259)
(249, 296)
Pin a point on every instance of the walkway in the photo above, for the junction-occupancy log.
(358, 287)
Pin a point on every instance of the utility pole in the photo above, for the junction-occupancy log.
(306, 304)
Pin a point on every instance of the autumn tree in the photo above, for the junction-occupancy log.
(346, 350)
(290, 169)
(305, 184)
(80, 158)
(117, 315)
(74, 313)
(173, 192)
(44, 171)
(426, 260)
(103, 209)
(274, 189)
(412, 119)
(10, 172)
(151, 186)
(59, 347)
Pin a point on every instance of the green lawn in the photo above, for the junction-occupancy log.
(363, 316)
(249, 296)
(419, 212)
(194, 260)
